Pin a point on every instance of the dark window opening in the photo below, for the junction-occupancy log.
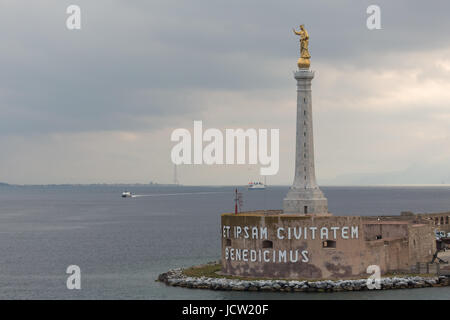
(442, 220)
(228, 243)
(446, 220)
(267, 244)
(305, 208)
(329, 244)
(378, 237)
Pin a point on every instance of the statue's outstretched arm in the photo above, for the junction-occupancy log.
(297, 33)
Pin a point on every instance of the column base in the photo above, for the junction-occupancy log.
(305, 202)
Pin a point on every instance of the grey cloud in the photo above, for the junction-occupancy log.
(59, 80)
(154, 65)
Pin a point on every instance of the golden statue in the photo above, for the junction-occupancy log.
(303, 62)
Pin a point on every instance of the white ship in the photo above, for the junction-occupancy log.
(126, 194)
(256, 186)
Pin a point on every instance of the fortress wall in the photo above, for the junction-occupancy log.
(397, 255)
(440, 221)
(261, 245)
(422, 244)
(331, 248)
(379, 230)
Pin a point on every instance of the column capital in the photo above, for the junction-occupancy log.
(304, 74)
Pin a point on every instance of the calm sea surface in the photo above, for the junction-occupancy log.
(121, 245)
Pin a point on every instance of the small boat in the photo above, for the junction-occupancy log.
(256, 186)
(126, 194)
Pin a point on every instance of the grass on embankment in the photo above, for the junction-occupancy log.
(212, 271)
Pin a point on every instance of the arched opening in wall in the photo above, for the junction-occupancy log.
(329, 244)
(267, 244)
(442, 220)
(228, 242)
(446, 220)
(305, 209)
(436, 221)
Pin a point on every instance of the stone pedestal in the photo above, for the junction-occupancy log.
(305, 197)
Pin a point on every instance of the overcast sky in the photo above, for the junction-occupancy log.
(98, 105)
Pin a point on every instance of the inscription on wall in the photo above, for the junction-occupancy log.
(291, 233)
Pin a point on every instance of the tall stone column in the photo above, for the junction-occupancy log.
(304, 196)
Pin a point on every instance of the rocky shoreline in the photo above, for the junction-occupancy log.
(177, 278)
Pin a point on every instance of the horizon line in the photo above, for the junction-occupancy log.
(217, 185)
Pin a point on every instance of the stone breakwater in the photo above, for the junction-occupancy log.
(176, 278)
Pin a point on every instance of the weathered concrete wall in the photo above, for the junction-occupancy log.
(385, 230)
(422, 244)
(375, 254)
(291, 255)
(397, 255)
(314, 247)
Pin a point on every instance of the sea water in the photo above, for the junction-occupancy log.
(122, 244)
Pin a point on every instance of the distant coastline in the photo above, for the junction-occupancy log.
(3, 184)
(154, 184)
